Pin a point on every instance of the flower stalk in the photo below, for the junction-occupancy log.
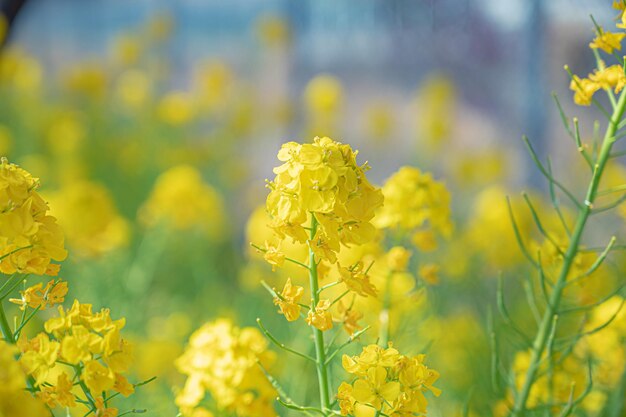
(318, 335)
(585, 210)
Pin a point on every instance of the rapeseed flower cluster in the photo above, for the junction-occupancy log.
(223, 360)
(183, 201)
(30, 238)
(15, 401)
(416, 203)
(609, 78)
(78, 347)
(90, 220)
(386, 383)
(322, 179)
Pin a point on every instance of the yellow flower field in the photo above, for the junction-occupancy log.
(200, 240)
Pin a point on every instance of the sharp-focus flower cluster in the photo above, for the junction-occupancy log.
(183, 200)
(78, 345)
(386, 381)
(89, 218)
(603, 78)
(322, 179)
(223, 361)
(30, 238)
(414, 200)
(40, 297)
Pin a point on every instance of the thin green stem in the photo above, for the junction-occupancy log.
(7, 334)
(318, 335)
(545, 328)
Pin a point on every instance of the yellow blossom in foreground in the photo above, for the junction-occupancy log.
(320, 317)
(357, 280)
(583, 89)
(273, 256)
(288, 301)
(30, 238)
(223, 361)
(607, 41)
(82, 338)
(15, 401)
(181, 199)
(388, 382)
(322, 179)
(91, 222)
(413, 199)
(42, 297)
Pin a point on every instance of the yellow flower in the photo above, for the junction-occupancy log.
(104, 411)
(435, 104)
(345, 399)
(97, 377)
(425, 240)
(323, 95)
(429, 273)
(223, 360)
(374, 389)
(29, 237)
(414, 200)
(398, 258)
(91, 221)
(182, 200)
(609, 77)
(39, 355)
(273, 256)
(355, 279)
(273, 30)
(607, 41)
(80, 345)
(15, 401)
(123, 386)
(388, 382)
(349, 317)
(42, 297)
(320, 318)
(288, 301)
(322, 179)
(59, 393)
(176, 108)
(583, 89)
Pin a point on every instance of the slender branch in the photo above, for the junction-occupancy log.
(282, 345)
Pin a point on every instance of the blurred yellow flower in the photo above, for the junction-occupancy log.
(91, 222)
(176, 108)
(15, 401)
(435, 103)
(273, 30)
(413, 200)
(181, 199)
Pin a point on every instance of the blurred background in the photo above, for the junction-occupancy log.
(153, 126)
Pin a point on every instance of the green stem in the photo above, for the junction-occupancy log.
(7, 334)
(318, 335)
(543, 333)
